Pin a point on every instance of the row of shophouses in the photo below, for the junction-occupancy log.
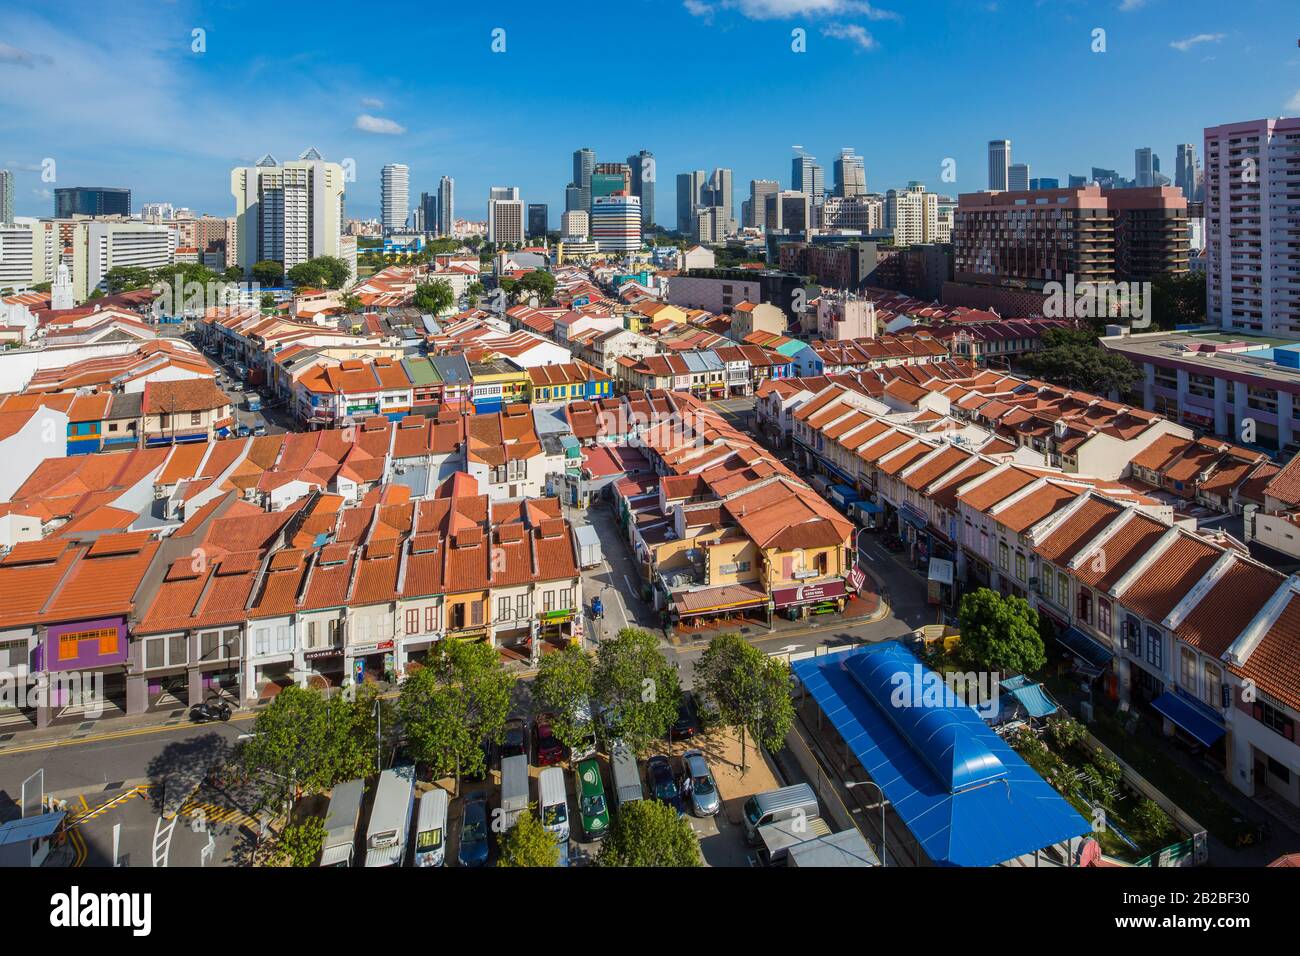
(239, 599)
(1159, 614)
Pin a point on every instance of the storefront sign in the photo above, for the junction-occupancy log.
(785, 597)
(553, 616)
(317, 655)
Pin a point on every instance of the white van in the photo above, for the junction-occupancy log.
(773, 806)
(341, 823)
(627, 779)
(431, 829)
(514, 789)
(552, 805)
(391, 816)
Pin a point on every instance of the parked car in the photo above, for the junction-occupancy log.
(546, 746)
(703, 791)
(473, 849)
(591, 800)
(515, 743)
(706, 709)
(662, 783)
(242, 431)
(686, 725)
(259, 430)
(586, 746)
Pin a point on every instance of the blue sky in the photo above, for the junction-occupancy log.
(120, 98)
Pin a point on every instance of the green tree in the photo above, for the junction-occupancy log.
(434, 297)
(538, 282)
(527, 843)
(268, 272)
(565, 682)
(1074, 358)
(507, 284)
(352, 302)
(649, 833)
(637, 686)
(475, 292)
(267, 300)
(126, 279)
(299, 844)
(460, 698)
(335, 271)
(1177, 299)
(1000, 633)
(233, 274)
(752, 691)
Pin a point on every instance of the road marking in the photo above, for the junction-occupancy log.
(118, 735)
(87, 815)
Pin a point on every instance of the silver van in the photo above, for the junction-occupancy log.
(514, 790)
(627, 779)
(431, 829)
(778, 838)
(390, 817)
(341, 823)
(786, 803)
(552, 804)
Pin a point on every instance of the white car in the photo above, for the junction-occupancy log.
(703, 797)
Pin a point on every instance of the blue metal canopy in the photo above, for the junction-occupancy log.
(1191, 716)
(1031, 696)
(1085, 648)
(966, 796)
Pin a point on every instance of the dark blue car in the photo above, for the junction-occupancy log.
(474, 834)
(663, 784)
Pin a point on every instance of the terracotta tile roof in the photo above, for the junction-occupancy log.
(184, 395)
(1081, 527)
(1168, 579)
(1274, 664)
(1229, 607)
(1034, 507)
(1103, 567)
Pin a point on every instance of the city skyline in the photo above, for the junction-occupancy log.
(378, 119)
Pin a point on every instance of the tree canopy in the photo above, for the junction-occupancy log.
(564, 685)
(268, 272)
(649, 833)
(322, 272)
(637, 685)
(752, 691)
(1073, 358)
(527, 843)
(434, 297)
(1000, 633)
(538, 282)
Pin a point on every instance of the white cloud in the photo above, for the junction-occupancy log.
(1293, 104)
(378, 124)
(851, 32)
(1184, 45)
(371, 103)
(19, 57)
(784, 9)
(1130, 5)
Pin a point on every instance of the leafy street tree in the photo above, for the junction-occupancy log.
(565, 682)
(126, 279)
(1177, 299)
(638, 686)
(268, 272)
(304, 743)
(336, 272)
(751, 689)
(352, 302)
(267, 301)
(299, 844)
(1073, 358)
(649, 833)
(233, 274)
(538, 282)
(434, 297)
(460, 698)
(475, 291)
(527, 843)
(1000, 633)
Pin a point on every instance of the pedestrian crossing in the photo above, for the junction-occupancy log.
(212, 813)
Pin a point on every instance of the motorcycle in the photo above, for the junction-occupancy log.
(210, 710)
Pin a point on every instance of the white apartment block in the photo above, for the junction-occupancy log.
(27, 254)
(1252, 192)
(575, 224)
(913, 214)
(394, 196)
(98, 246)
(288, 212)
(505, 220)
(616, 223)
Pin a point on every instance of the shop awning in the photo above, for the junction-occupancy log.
(1088, 650)
(857, 577)
(1031, 696)
(729, 597)
(913, 517)
(1191, 716)
(870, 507)
(336, 855)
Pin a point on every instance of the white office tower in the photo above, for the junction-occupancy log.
(446, 205)
(913, 214)
(100, 245)
(999, 164)
(289, 212)
(850, 174)
(394, 196)
(575, 224)
(61, 291)
(505, 215)
(1018, 177)
(616, 223)
(1251, 249)
(759, 190)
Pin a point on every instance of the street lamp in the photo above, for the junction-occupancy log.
(857, 545)
(849, 785)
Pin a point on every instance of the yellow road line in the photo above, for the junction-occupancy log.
(117, 735)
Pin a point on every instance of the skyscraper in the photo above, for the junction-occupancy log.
(616, 223)
(91, 201)
(610, 178)
(505, 215)
(850, 174)
(446, 206)
(759, 190)
(394, 196)
(584, 164)
(643, 185)
(288, 212)
(6, 196)
(718, 193)
(1187, 172)
(1018, 177)
(913, 214)
(1250, 258)
(690, 195)
(538, 220)
(807, 177)
(1144, 167)
(999, 164)
(429, 212)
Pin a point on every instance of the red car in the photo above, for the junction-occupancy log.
(547, 749)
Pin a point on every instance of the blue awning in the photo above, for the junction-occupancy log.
(963, 793)
(1191, 716)
(1084, 647)
(913, 517)
(1033, 698)
(870, 507)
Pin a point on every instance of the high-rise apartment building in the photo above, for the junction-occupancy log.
(850, 174)
(72, 201)
(505, 215)
(1018, 177)
(759, 190)
(101, 245)
(999, 164)
(6, 196)
(446, 206)
(643, 185)
(616, 223)
(289, 212)
(394, 196)
(1252, 192)
(913, 214)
